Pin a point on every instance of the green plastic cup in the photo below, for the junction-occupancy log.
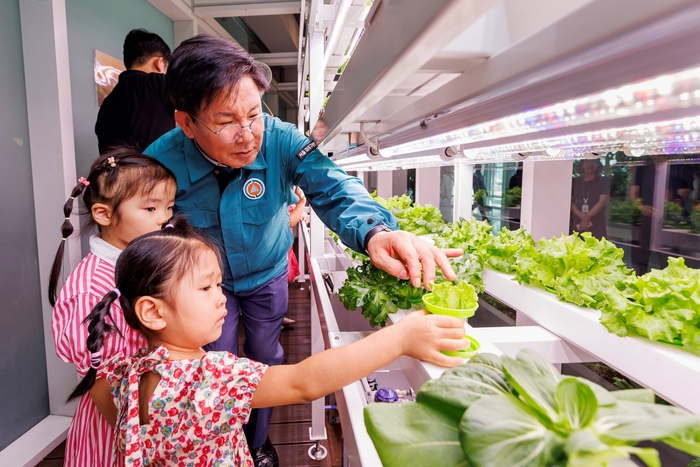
(438, 310)
(469, 352)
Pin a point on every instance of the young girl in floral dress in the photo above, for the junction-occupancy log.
(126, 194)
(179, 405)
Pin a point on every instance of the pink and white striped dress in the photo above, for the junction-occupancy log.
(90, 438)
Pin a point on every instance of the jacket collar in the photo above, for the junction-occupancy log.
(199, 164)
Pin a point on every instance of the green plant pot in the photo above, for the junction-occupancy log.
(469, 352)
(438, 310)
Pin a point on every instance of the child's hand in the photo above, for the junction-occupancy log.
(424, 335)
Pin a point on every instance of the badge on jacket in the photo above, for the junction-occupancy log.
(254, 188)
(306, 150)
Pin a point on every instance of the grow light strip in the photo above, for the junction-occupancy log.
(672, 137)
(408, 163)
(679, 90)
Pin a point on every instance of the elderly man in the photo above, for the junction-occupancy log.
(235, 167)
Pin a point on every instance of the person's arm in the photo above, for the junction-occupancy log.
(296, 215)
(645, 209)
(102, 397)
(417, 335)
(344, 205)
(599, 206)
(576, 210)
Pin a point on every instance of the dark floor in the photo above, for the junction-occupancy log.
(289, 431)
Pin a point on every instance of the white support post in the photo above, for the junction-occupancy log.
(317, 431)
(463, 192)
(428, 186)
(661, 168)
(315, 104)
(316, 93)
(546, 200)
(50, 115)
(385, 184)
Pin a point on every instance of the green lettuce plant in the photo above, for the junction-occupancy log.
(471, 236)
(695, 219)
(498, 411)
(577, 268)
(417, 219)
(457, 296)
(662, 305)
(502, 251)
(513, 197)
(378, 293)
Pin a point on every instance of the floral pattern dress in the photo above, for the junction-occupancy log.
(196, 412)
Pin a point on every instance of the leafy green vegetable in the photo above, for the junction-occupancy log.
(662, 305)
(522, 413)
(471, 236)
(480, 195)
(625, 212)
(673, 214)
(577, 268)
(513, 197)
(460, 386)
(417, 219)
(502, 430)
(414, 434)
(695, 219)
(378, 293)
(459, 296)
(502, 251)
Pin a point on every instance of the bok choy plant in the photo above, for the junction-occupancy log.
(498, 411)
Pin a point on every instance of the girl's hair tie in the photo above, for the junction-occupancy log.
(84, 181)
(169, 226)
(95, 359)
(111, 161)
(116, 291)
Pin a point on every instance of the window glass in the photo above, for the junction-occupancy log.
(447, 184)
(648, 206)
(497, 194)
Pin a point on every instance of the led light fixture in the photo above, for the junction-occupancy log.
(671, 137)
(679, 90)
(337, 29)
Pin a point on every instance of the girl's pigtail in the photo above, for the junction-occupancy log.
(66, 231)
(97, 329)
(178, 226)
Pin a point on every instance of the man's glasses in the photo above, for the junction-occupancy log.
(231, 133)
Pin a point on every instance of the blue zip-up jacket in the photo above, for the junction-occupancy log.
(250, 220)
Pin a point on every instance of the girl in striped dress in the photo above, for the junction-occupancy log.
(182, 406)
(126, 194)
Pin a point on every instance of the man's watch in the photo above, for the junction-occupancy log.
(381, 227)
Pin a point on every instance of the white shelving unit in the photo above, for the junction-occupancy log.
(545, 338)
(671, 372)
(426, 71)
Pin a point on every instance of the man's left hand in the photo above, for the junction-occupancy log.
(402, 254)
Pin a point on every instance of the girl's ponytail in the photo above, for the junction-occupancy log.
(97, 329)
(66, 231)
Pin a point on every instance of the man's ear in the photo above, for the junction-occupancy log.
(102, 214)
(160, 65)
(149, 311)
(185, 122)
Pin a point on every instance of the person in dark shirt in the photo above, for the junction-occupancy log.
(590, 193)
(138, 111)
